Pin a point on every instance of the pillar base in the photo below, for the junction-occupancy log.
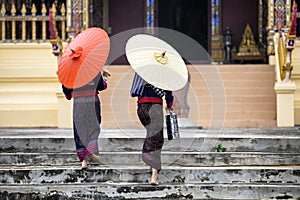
(285, 103)
(64, 111)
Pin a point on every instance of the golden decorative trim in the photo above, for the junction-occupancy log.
(63, 22)
(105, 20)
(161, 58)
(288, 12)
(260, 21)
(86, 15)
(3, 11)
(44, 12)
(21, 17)
(248, 45)
(217, 39)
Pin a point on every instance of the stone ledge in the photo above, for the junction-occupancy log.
(141, 174)
(117, 191)
(184, 159)
(276, 133)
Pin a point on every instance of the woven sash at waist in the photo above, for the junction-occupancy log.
(86, 93)
(150, 100)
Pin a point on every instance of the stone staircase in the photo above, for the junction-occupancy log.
(257, 164)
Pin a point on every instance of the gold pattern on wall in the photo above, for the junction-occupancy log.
(274, 7)
(77, 17)
(248, 45)
(217, 39)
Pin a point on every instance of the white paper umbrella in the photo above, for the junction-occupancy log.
(157, 62)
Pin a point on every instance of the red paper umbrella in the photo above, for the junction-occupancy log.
(84, 58)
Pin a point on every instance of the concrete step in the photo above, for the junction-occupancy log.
(141, 174)
(258, 164)
(168, 158)
(117, 191)
(275, 140)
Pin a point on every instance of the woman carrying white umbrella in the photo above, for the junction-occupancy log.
(150, 113)
(159, 71)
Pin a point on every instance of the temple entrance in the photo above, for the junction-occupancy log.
(188, 17)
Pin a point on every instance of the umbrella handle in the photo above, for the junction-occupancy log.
(106, 73)
(170, 110)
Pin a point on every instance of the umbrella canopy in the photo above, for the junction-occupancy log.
(156, 62)
(84, 58)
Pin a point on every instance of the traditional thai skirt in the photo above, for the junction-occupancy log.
(151, 116)
(86, 125)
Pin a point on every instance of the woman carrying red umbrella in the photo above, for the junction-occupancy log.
(87, 117)
(80, 73)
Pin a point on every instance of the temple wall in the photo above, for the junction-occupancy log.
(28, 85)
(236, 15)
(31, 93)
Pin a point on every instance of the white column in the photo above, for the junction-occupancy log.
(285, 103)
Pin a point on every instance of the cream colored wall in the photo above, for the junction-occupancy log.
(28, 85)
(296, 79)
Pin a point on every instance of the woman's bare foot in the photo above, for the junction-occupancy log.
(84, 165)
(154, 177)
(94, 157)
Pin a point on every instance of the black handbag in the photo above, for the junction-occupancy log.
(172, 126)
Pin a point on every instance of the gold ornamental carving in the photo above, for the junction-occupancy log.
(248, 45)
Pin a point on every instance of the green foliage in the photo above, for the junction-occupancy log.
(219, 148)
